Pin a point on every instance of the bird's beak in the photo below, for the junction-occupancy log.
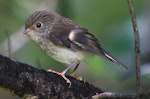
(26, 31)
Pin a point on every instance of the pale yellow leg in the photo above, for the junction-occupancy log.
(62, 74)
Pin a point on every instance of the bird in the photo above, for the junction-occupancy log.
(64, 40)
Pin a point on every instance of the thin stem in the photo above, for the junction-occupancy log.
(8, 44)
(137, 47)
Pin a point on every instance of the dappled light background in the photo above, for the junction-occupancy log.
(108, 20)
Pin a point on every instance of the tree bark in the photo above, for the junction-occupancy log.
(28, 82)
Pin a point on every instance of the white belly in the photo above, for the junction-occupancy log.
(61, 54)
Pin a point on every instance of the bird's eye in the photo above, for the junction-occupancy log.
(39, 25)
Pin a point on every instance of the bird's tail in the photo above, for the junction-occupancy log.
(109, 56)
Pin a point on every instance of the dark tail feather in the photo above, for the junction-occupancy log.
(113, 59)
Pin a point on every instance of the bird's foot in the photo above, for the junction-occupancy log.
(78, 78)
(62, 74)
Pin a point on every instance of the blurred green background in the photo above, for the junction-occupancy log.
(108, 20)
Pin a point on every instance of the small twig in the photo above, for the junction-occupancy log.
(109, 95)
(8, 44)
(137, 46)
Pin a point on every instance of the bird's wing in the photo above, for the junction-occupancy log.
(80, 39)
(90, 44)
(76, 39)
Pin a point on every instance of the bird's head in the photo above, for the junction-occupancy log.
(38, 23)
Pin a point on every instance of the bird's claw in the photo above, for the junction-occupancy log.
(62, 74)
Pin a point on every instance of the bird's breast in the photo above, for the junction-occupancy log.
(59, 53)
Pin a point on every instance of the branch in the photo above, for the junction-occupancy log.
(29, 82)
(109, 95)
(26, 81)
(137, 47)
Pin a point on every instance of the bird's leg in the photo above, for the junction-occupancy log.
(73, 72)
(62, 74)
